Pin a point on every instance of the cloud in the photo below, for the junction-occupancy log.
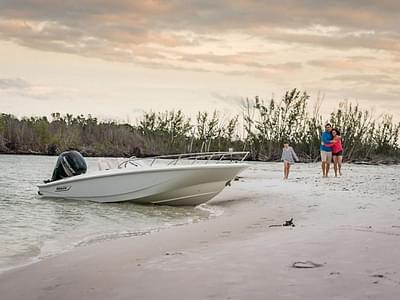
(351, 45)
(13, 83)
(365, 79)
(384, 99)
(19, 87)
(207, 15)
(151, 32)
(348, 62)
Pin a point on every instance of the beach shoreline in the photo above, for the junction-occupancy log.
(375, 161)
(346, 236)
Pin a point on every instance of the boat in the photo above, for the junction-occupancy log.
(182, 179)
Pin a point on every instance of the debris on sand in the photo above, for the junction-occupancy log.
(287, 223)
(306, 265)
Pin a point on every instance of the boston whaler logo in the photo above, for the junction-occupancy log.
(63, 188)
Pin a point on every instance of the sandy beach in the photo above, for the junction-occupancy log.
(344, 245)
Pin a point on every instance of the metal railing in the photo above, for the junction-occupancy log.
(174, 159)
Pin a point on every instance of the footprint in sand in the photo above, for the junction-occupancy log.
(267, 219)
(225, 234)
(313, 205)
(173, 253)
(385, 276)
(52, 287)
(317, 194)
(253, 226)
(381, 276)
(388, 233)
(334, 274)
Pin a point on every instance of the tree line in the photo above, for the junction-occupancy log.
(261, 128)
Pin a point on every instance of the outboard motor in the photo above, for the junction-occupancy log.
(69, 163)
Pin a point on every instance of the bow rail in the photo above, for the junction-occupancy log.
(175, 159)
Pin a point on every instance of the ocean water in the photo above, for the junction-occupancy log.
(32, 228)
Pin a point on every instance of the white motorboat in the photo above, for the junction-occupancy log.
(182, 179)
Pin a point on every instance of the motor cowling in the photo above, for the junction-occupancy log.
(69, 163)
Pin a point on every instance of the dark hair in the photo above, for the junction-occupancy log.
(285, 140)
(337, 131)
(328, 124)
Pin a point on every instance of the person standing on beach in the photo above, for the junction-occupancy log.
(337, 151)
(326, 152)
(288, 157)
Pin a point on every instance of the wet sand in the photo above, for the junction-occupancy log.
(344, 246)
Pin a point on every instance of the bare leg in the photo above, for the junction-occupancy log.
(288, 170)
(285, 170)
(340, 159)
(335, 164)
(323, 164)
(328, 164)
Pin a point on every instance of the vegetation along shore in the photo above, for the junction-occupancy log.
(260, 128)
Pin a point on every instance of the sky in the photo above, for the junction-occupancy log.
(117, 59)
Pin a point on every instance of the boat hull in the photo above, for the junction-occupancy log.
(174, 185)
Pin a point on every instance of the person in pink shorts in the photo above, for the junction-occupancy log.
(337, 151)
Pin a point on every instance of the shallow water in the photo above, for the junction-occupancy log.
(32, 228)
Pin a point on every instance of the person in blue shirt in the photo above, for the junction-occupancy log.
(326, 152)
